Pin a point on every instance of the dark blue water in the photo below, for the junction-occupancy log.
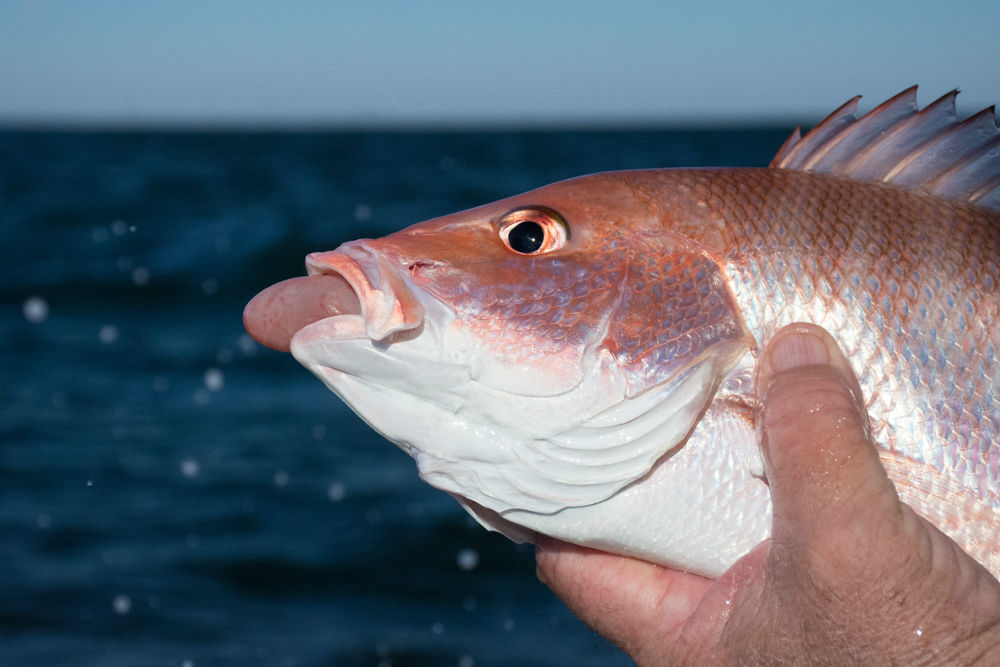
(171, 493)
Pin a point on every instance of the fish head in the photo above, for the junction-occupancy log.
(533, 354)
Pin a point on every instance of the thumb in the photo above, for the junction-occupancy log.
(824, 473)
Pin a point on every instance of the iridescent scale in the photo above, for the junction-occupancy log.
(906, 282)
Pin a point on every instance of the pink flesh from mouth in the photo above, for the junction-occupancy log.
(275, 315)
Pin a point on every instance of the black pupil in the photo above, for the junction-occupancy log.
(526, 237)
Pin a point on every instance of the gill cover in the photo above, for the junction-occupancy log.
(674, 333)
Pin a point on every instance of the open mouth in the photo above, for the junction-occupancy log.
(348, 281)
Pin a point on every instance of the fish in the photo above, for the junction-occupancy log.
(579, 361)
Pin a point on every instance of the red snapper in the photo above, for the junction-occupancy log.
(579, 360)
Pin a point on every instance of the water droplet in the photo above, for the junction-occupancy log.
(918, 632)
(140, 276)
(190, 468)
(438, 628)
(281, 479)
(108, 334)
(508, 624)
(187, 663)
(467, 559)
(214, 379)
(44, 521)
(99, 235)
(362, 213)
(209, 286)
(466, 661)
(35, 309)
(319, 431)
(336, 491)
(119, 228)
(469, 603)
(122, 604)
(247, 345)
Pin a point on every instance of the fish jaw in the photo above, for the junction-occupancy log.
(346, 290)
(393, 342)
(388, 304)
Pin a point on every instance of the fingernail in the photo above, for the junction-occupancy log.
(798, 349)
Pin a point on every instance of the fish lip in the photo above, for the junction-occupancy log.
(388, 304)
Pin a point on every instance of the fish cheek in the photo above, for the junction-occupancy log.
(527, 325)
(536, 333)
(676, 311)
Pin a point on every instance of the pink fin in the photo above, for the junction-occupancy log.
(793, 154)
(927, 150)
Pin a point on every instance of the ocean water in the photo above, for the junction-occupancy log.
(173, 494)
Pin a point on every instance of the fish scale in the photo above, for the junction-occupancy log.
(599, 388)
(926, 363)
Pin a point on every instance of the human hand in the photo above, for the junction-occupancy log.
(850, 575)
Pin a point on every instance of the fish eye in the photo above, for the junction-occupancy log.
(533, 230)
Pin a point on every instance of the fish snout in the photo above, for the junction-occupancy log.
(352, 284)
(387, 303)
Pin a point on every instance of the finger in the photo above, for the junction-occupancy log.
(822, 468)
(624, 599)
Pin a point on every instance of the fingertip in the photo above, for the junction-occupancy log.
(633, 603)
(799, 345)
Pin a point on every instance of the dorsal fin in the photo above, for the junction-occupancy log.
(927, 150)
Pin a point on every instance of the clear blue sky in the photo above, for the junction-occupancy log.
(374, 61)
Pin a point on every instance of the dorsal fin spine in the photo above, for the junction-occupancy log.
(790, 142)
(988, 195)
(926, 150)
(939, 152)
(966, 176)
(830, 126)
(875, 161)
(863, 131)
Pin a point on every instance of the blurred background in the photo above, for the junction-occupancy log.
(172, 494)
(446, 62)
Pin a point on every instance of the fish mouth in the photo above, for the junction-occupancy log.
(351, 290)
